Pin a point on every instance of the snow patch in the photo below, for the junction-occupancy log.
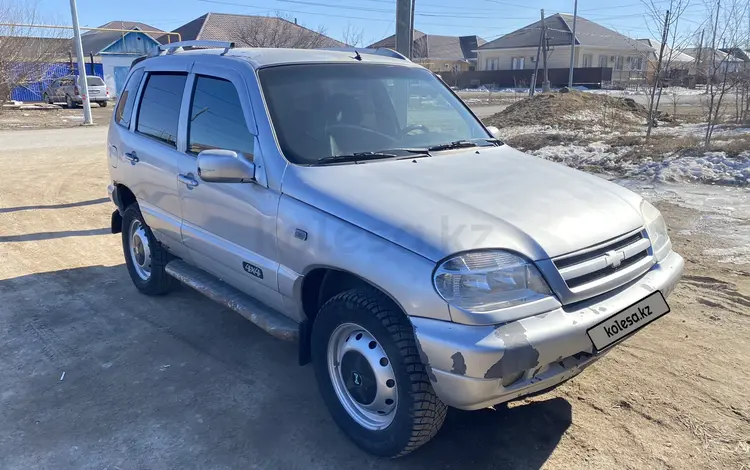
(595, 156)
(710, 168)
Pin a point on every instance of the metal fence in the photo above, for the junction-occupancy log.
(33, 91)
(590, 77)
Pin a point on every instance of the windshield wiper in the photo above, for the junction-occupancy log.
(354, 157)
(398, 153)
(456, 144)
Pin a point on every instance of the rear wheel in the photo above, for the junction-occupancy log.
(370, 375)
(103, 104)
(145, 258)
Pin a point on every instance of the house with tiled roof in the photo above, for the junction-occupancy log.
(594, 46)
(254, 31)
(440, 53)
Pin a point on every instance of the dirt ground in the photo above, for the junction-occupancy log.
(52, 118)
(95, 375)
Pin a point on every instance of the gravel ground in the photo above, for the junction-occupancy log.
(95, 375)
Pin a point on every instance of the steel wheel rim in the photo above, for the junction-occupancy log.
(351, 350)
(140, 250)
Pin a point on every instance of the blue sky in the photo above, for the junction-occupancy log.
(486, 18)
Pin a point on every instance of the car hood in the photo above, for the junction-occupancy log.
(494, 197)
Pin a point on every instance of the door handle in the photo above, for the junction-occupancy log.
(132, 157)
(187, 180)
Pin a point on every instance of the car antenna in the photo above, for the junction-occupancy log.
(356, 55)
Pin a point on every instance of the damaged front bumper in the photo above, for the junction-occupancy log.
(474, 367)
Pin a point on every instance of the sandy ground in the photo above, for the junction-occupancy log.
(95, 375)
(53, 118)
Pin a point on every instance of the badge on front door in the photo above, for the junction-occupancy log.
(251, 269)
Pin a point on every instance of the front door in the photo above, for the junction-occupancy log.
(229, 228)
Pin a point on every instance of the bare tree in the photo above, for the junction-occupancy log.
(724, 74)
(25, 56)
(353, 36)
(280, 31)
(665, 24)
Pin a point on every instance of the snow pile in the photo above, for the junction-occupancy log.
(598, 157)
(595, 157)
(710, 168)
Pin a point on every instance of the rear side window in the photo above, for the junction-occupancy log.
(216, 119)
(159, 111)
(125, 106)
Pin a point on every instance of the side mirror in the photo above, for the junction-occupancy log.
(224, 166)
(494, 131)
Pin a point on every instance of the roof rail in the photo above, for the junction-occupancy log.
(171, 48)
(381, 51)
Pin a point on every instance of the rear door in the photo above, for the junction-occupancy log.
(148, 150)
(97, 88)
(65, 86)
(229, 228)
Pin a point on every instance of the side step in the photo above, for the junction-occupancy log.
(217, 290)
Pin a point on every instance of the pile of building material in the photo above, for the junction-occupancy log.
(572, 109)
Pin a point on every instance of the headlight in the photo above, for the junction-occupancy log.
(656, 229)
(489, 280)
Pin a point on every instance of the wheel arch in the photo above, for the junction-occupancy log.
(320, 284)
(123, 197)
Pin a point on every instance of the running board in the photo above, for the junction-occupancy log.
(271, 321)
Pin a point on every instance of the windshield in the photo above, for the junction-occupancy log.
(93, 81)
(321, 111)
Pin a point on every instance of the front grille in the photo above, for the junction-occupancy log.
(617, 261)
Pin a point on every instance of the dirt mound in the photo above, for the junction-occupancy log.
(570, 109)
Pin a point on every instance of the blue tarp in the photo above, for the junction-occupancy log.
(33, 91)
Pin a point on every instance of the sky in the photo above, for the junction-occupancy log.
(488, 19)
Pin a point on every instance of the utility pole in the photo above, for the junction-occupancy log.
(532, 88)
(87, 119)
(404, 27)
(698, 56)
(545, 82)
(573, 45)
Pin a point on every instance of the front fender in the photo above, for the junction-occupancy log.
(309, 238)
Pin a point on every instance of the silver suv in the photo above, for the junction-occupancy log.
(349, 201)
(68, 90)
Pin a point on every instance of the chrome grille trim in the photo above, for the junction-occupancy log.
(600, 262)
(598, 269)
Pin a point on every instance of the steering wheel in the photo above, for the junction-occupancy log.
(414, 127)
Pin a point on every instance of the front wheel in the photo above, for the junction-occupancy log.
(47, 99)
(69, 102)
(370, 375)
(145, 258)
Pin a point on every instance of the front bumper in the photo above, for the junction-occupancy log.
(473, 367)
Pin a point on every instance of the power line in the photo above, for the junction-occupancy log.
(378, 10)
(333, 15)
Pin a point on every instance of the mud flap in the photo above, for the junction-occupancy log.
(116, 222)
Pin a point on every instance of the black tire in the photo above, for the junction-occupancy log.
(159, 282)
(103, 104)
(69, 103)
(46, 99)
(420, 413)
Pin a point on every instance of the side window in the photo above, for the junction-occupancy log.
(124, 109)
(216, 119)
(159, 112)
